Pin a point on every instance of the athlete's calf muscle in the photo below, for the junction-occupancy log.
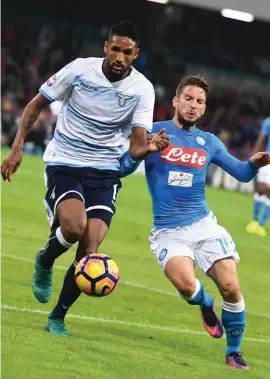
(94, 233)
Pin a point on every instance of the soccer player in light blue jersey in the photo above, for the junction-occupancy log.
(105, 100)
(186, 232)
(261, 210)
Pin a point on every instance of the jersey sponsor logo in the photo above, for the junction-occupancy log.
(180, 179)
(51, 81)
(123, 99)
(84, 85)
(184, 156)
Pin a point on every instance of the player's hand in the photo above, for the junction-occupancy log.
(11, 163)
(158, 142)
(260, 159)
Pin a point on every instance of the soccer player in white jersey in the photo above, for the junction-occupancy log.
(104, 101)
(185, 229)
(261, 210)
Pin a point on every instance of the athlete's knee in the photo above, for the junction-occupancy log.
(186, 286)
(73, 230)
(231, 291)
(72, 218)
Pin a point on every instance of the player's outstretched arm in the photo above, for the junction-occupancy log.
(141, 146)
(156, 142)
(260, 144)
(28, 117)
(242, 171)
(53, 89)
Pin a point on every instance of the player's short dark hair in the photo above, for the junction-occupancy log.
(193, 80)
(126, 29)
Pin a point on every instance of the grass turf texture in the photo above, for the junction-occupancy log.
(135, 332)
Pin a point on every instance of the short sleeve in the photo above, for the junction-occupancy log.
(143, 115)
(59, 84)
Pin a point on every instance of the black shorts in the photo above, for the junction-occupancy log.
(97, 189)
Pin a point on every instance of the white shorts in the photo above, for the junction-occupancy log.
(264, 175)
(203, 241)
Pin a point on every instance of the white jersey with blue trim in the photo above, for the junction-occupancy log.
(97, 115)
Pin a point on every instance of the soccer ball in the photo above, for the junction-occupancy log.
(97, 275)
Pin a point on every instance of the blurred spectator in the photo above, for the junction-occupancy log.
(35, 142)
(9, 121)
(32, 53)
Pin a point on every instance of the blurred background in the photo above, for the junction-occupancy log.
(178, 38)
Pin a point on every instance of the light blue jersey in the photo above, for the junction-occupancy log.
(176, 176)
(265, 130)
(97, 115)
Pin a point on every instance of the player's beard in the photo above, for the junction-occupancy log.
(109, 73)
(115, 76)
(186, 124)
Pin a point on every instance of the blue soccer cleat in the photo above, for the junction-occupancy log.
(42, 281)
(56, 326)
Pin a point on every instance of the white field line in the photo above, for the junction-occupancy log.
(128, 323)
(18, 258)
(132, 284)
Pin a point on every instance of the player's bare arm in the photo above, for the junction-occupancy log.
(260, 144)
(141, 145)
(29, 116)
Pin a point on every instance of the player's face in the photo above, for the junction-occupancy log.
(190, 105)
(120, 53)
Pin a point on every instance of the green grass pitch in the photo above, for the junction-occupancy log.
(142, 330)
